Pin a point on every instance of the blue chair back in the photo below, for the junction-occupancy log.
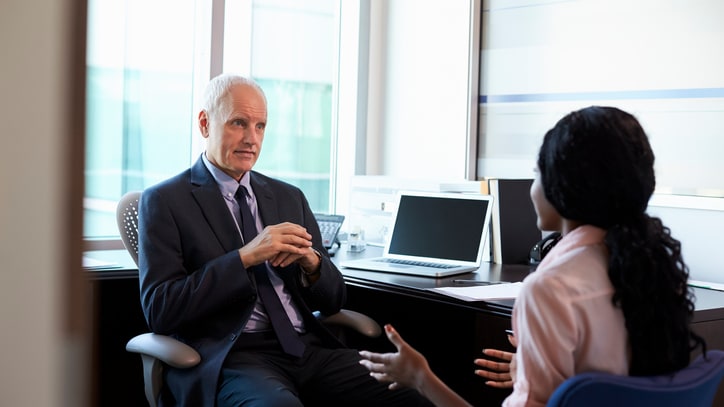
(693, 386)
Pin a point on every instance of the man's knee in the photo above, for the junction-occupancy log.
(248, 389)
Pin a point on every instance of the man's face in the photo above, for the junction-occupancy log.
(234, 135)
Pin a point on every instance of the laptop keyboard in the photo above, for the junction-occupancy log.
(417, 263)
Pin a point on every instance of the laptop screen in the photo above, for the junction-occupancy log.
(440, 226)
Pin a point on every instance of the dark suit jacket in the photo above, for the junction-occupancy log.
(193, 284)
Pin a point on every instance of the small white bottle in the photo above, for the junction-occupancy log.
(356, 240)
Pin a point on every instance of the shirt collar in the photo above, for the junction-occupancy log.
(584, 235)
(227, 184)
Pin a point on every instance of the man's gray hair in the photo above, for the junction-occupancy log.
(219, 89)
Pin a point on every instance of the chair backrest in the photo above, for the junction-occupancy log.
(127, 219)
(693, 386)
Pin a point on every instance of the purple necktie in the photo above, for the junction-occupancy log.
(288, 337)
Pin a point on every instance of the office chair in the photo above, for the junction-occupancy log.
(158, 351)
(693, 386)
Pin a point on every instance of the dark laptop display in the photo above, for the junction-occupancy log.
(434, 234)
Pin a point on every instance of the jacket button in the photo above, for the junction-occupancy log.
(233, 337)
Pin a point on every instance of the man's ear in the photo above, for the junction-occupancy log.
(204, 123)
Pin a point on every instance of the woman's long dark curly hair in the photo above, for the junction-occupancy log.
(597, 167)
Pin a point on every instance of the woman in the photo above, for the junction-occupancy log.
(610, 296)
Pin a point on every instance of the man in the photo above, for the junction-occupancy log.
(204, 270)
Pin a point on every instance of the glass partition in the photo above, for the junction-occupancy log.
(661, 61)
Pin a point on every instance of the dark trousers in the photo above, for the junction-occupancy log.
(258, 373)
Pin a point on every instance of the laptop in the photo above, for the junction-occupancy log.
(434, 234)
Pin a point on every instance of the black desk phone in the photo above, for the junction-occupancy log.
(329, 226)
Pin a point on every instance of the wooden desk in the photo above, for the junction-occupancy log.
(448, 331)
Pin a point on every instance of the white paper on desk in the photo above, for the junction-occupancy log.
(90, 263)
(505, 291)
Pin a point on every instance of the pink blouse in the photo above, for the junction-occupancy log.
(564, 320)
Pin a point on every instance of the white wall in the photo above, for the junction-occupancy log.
(419, 94)
(41, 357)
(697, 222)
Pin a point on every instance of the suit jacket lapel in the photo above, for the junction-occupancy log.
(265, 201)
(207, 196)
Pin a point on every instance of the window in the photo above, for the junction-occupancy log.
(289, 50)
(145, 70)
(541, 59)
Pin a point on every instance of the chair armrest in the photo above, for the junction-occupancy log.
(165, 348)
(355, 320)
